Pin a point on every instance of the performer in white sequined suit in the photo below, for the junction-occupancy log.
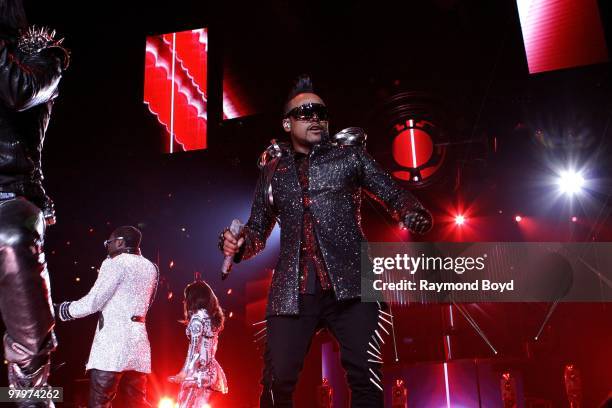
(201, 374)
(120, 356)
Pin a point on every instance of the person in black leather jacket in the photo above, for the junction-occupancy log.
(31, 66)
(312, 186)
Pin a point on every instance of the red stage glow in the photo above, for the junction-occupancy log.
(459, 220)
(561, 34)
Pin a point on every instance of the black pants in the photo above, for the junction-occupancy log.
(104, 386)
(288, 339)
(25, 296)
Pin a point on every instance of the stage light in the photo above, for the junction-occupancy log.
(570, 182)
(167, 402)
(459, 219)
(518, 218)
(574, 218)
(447, 387)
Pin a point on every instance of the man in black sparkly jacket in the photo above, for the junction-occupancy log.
(31, 66)
(313, 187)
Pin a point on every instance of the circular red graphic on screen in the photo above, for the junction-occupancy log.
(415, 151)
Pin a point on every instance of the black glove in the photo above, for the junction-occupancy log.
(419, 221)
(62, 311)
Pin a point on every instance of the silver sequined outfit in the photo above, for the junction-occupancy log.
(123, 289)
(337, 175)
(202, 372)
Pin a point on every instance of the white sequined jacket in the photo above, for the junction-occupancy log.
(124, 288)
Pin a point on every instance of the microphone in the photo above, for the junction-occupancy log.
(236, 229)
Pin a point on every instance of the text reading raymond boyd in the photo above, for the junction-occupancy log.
(425, 285)
(392, 269)
(469, 272)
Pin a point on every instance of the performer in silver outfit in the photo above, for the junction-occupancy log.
(201, 374)
(120, 356)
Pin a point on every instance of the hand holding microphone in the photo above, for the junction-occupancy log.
(230, 243)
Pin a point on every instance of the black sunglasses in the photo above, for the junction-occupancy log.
(108, 241)
(308, 111)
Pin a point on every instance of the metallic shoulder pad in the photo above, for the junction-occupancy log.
(195, 326)
(276, 149)
(352, 136)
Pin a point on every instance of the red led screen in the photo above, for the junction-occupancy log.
(175, 87)
(561, 33)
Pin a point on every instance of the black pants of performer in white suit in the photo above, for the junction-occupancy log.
(105, 385)
(288, 339)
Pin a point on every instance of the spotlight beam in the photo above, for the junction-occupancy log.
(570, 182)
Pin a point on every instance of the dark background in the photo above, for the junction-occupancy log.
(103, 167)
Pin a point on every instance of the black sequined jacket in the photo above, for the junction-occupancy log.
(31, 67)
(337, 175)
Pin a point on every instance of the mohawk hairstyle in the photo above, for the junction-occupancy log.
(303, 84)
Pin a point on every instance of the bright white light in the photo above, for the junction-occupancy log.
(518, 218)
(570, 182)
(448, 402)
(414, 158)
(459, 219)
(166, 403)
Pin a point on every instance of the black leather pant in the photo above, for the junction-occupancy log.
(288, 339)
(25, 296)
(104, 386)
